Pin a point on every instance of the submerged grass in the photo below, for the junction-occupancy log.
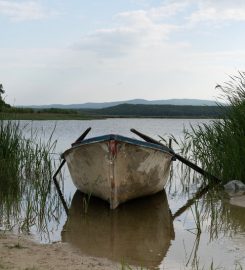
(26, 168)
(125, 266)
(219, 147)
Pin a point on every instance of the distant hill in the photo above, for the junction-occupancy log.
(101, 105)
(161, 111)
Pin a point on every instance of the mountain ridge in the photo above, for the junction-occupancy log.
(157, 111)
(101, 105)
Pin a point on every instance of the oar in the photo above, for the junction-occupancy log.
(60, 167)
(177, 156)
(191, 201)
(82, 136)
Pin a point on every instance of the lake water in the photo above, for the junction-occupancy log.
(143, 232)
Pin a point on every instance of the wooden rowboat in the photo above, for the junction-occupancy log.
(117, 168)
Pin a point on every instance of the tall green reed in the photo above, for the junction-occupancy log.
(219, 147)
(27, 196)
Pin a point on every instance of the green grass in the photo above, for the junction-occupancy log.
(125, 266)
(27, 195)
(219, 147)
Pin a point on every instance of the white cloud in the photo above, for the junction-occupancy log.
(137, 50)
(109, 42)
(41, 58)
(22, 11)
(164, 72)
(168, 10)
(213, 14)
(161, 12)
(218, 11)
(137, 29)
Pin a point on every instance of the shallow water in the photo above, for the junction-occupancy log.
(138, 232)
(143, 232)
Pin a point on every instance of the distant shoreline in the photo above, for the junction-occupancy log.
(53, 117)
(119, 111)
(44, 116)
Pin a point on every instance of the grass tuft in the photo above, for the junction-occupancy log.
(219, 147)
(26, 168)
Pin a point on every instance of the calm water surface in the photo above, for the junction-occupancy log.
(142, 232)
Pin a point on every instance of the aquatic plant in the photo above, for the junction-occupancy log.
(219, 147)
(212, 266)
(26, 168)
(125, 266)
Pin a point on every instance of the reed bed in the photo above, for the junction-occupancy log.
(219, 147)
(27, 196)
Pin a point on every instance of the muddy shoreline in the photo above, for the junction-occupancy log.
(20, 252)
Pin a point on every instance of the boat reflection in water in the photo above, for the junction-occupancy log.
(138, 232)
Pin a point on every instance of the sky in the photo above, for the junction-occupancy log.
(81, 51)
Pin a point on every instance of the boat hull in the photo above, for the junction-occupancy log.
(117, 169)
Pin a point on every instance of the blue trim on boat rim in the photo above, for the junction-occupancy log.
(122, 139)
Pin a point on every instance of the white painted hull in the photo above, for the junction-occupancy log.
(118, 170)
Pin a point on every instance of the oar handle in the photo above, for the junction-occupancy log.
(144, 136)
(177, 156)
(79, 139)
(60, 167)
(197, 168)
(151, 140)
(82, 136)
(58, 187)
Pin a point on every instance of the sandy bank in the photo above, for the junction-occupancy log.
(21, 253)
(238, 200)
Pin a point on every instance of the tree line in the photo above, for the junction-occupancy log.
(164, 111)
(128, 110)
